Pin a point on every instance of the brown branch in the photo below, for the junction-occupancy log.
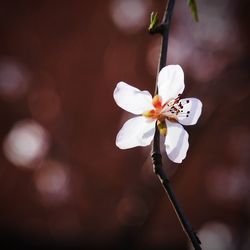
(163, 29)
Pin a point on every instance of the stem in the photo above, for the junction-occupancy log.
(163, 29)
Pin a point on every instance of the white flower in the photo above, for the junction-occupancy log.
(166, 108)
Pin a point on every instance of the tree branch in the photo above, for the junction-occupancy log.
(163, 29)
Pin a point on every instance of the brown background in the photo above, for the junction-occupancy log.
(59, 64)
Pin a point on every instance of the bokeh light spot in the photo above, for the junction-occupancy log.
(51, 181)
(14, 79)
(130, 15)
(44, 104)
(216, 236)
(232, 188)
(26, 143)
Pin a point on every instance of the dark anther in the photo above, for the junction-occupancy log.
(186, 115)
(187, 101)
(188, 112)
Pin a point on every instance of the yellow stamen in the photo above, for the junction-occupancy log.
(157, 101)
(149, 114)
(162, 127)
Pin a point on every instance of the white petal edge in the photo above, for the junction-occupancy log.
(176, 142)
(192, 105)
(170, 82)
(132, 99)
(137, 131)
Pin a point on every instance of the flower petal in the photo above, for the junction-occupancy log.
(170, 82)
(132, 99)
(176, 142)
(138, 131)
(191, 111)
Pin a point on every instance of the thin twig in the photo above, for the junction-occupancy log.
(163, 29)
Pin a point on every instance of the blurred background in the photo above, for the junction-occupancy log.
(63, 182)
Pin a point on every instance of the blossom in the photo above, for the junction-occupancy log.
(166, 109)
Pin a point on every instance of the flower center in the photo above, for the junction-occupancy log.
(163, 111)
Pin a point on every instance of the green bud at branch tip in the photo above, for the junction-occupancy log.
(153, 20)
(193, 8)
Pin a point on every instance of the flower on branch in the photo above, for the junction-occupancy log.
(166, 109)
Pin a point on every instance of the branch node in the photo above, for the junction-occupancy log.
(159, 29)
